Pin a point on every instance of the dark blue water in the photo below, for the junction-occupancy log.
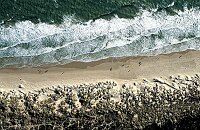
(52, 11)
(61, 31)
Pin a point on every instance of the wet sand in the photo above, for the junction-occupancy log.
(157, 92)
(121, 70)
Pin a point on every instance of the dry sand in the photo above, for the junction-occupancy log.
(121, 70)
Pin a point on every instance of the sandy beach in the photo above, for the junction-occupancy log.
(154, 92)
(99, 65)
(121, 70)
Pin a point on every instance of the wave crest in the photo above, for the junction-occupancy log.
(93, 40)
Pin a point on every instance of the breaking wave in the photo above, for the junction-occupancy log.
(150, 33)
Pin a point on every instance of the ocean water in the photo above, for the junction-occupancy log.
(34, 33)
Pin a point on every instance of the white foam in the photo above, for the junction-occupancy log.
(117, 32)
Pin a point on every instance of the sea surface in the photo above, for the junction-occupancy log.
(40, 32)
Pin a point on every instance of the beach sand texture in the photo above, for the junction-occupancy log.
(153, 92)
(121, 70)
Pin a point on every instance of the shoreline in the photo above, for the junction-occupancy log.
(121, 70)
(80, 64)
(160, 92)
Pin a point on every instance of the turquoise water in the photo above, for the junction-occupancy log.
(61, 31)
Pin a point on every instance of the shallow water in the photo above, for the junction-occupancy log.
(89, 30)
